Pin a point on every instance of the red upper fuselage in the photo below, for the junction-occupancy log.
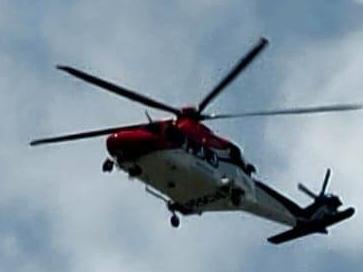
(140, 140)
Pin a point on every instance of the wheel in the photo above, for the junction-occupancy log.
(107, 166)
(174, 221)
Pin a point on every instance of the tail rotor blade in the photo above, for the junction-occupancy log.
(326, 181)
(307, 191)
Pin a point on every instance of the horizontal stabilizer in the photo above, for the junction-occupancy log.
(307, 228)
(294, 234)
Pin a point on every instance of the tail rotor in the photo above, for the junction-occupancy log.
(322, 198)
(306, 191)
(325, 183)
(322, 193)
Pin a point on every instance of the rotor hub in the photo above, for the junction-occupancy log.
(190, 112)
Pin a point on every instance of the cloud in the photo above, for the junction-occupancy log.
(325, 72)
(60, 213)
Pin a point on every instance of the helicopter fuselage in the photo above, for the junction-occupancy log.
(195, 169)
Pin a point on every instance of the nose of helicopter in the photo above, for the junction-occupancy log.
(131, 144)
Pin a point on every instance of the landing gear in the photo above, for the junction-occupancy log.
(174, 221)
(236, 195)
(172, 207)
(107, 166)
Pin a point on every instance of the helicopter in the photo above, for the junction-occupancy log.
(186, 165)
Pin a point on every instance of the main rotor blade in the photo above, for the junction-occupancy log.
(307, 191)
(81, 135)
(291, 111)
(325, 183)
(119, 90)
(242, 64)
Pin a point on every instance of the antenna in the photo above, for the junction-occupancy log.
(148, 117)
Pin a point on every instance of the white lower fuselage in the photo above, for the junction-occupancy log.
(195, 182)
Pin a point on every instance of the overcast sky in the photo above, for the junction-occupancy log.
(58, 212)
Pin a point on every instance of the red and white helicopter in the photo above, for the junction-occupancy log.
(182, 162)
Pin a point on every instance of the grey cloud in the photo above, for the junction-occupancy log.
(175, 51)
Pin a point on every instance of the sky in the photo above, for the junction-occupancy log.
(58, 212)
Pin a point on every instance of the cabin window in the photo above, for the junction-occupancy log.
(201, 152)
(211, 157)
(191, 147)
